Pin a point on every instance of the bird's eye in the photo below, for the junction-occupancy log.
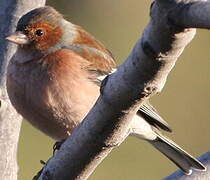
(39, 32)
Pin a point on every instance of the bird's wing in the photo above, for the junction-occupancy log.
(94, 51)
(99, 60)
(101, 63)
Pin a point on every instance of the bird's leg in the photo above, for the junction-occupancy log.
(36, 177)
(57, 145)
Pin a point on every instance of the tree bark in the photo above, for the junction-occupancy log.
(10, 121)
(192, 15)
(143, 74)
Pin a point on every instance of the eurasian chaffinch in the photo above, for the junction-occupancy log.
(54, 77)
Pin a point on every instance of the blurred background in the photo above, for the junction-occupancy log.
(184, 101)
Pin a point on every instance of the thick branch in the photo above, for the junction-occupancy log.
(10, 121)
(191, 15)
(143, 74)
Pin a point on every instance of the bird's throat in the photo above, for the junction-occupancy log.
(23, 55)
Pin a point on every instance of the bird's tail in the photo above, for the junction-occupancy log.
(176, 154)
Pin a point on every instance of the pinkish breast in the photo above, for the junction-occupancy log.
(54, 94)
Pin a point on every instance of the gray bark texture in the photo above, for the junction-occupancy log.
(10, 121)
(143, 74)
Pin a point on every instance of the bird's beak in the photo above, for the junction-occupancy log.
(18, 38)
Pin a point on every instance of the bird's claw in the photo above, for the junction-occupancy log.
(57, 145)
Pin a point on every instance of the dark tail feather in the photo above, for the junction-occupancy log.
(180, 157)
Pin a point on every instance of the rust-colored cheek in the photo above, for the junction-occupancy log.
(51, 37)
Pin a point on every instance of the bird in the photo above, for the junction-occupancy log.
(54, 79)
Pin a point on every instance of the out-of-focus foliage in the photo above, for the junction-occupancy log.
(184, 101)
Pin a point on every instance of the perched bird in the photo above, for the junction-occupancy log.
(53, 80)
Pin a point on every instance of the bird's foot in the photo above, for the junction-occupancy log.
(36, 177)
(57, 145)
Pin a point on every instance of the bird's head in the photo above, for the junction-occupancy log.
(43, 29)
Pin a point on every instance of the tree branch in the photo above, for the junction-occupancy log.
(191, 15)
(10, 121)
(143, 74)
